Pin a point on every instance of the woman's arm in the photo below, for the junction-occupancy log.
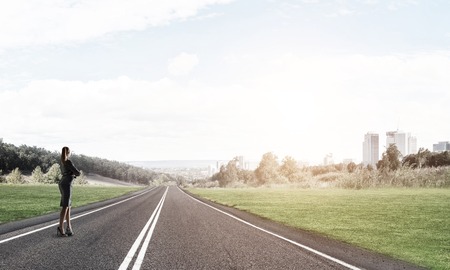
(72, 168)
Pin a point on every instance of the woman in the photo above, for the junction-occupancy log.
(69, 172)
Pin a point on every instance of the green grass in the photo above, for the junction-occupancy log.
(25, 201)
(408, 224)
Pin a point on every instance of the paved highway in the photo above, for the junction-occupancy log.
(166, 228)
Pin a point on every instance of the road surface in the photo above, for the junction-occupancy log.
(166, 228)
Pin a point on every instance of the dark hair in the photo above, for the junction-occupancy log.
(64, 152)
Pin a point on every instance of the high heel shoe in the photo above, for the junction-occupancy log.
(69, 232)
(59, 232)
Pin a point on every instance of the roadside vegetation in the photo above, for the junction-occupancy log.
(25, 201)
(400, 208)
(424, 169)
(43, 166)
(411, 224)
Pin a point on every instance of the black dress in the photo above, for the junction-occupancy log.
(65, 185)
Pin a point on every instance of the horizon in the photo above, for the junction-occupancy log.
(223, 78)
(252, 162)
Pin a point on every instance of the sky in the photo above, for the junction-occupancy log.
(213, 79)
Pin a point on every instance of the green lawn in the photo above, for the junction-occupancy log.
(409, 224)
(24, 201)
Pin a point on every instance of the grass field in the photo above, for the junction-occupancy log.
(409, 224)
(24, 201)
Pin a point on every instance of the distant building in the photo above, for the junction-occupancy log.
(212, 170)
(412, 145)
(405, 143)
(241, 164)
(328, 160)
(441, 147)
(371, 149)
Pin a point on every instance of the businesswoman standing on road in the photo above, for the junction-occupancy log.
(65, 187)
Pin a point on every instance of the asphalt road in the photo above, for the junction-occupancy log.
(165, 228)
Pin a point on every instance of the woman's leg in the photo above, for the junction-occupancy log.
(69, 225)
(62, 215)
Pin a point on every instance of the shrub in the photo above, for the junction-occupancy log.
(351, 167)
(53, 175)
(37, 175)
(403, 177)
(15, 177)
(81, 179)
(316, 170)
(329, 177)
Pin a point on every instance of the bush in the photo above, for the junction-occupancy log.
(53, 176)
(351, 167)
(317, 170)
(329, 177)
(81, 179)
(15, 177)
(37, 175)
(403, 177)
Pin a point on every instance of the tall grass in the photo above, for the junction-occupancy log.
(361, 178)
(403, 177)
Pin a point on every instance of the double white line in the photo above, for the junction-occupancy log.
(137, 243)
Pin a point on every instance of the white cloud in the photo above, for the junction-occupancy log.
(123, 119)
(29, 23)
(297, 105)
(398, 4)
(182, 64)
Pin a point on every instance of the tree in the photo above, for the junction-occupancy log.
(289, 168)
(228, 174)
(268, 169)
(422, 156)
(390, 160)
(248, 177)
(2, 179)
(438, 159)
(351, 167)
(37, 175)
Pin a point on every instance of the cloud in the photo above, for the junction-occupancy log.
(182, 64)
(31, 23)
(304, 106)
(123, 119)
(398, 4)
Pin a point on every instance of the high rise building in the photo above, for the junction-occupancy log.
(371, 149)
(328, 159)
(405, 143)
(412, 145)
(441, 147)
(241, 162)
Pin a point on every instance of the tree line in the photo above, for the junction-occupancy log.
(27, 159)
(271, 171)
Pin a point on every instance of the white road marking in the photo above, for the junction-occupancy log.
(140, 258)
(278, 236)
(137, 242)
(73, 218)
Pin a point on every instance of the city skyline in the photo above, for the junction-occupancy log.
(215, 79)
